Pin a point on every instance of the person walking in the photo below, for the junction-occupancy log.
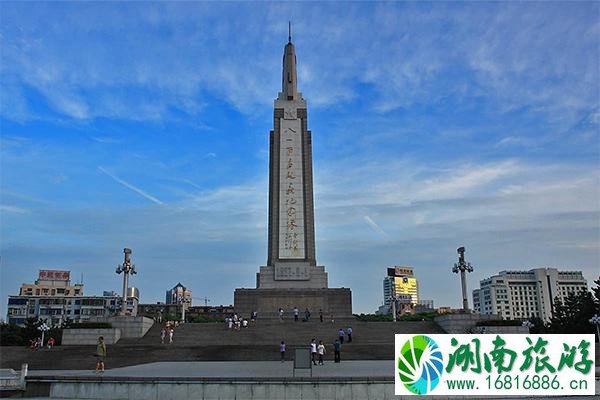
(337, 348)
(163, 334)
(281, 314)
(100, 355)
(282, 350)
(320, 315)
(306, 315)
(313, 351)
(171, 332)
(341, 335)
(296, 313)
(349, 332)
(321, 351)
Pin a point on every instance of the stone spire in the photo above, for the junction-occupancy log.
(289, 89)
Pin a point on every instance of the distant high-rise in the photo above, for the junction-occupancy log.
(400, 283)
(525, 294)
(179, 295)
(401, 286)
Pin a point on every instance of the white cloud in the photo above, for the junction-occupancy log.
(459, 182)
(504, 53)
(14, 209)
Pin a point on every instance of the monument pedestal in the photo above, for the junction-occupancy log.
(267, 302)
(295, 275)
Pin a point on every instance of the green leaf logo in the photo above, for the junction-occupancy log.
(420, 364)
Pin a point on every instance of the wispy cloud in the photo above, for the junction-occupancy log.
(458, 181)
(402, 62)
(130, 186)
(14, 209)
(376, 228)
(106, 139)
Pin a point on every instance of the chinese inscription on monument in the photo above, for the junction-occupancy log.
(291, 196)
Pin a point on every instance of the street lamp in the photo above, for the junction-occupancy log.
(595, 320)
(463, 267)
(126, 268)
(43, 328)
(184, 302)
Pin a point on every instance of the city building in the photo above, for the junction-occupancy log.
(179, 295)
(526, 294)
(424, 306)
(401, 285)
(52, 283)
(53, 299)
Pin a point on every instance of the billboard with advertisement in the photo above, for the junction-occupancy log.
(54, 275)
(406, 285)
(399, 271)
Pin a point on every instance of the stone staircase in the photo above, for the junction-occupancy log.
(271, 332)
(214, 342)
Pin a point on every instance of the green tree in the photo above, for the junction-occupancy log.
(596, 291)
(30, 330)
(573, 315)
(11, 335)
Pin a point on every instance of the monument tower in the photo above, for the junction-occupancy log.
(291, 276)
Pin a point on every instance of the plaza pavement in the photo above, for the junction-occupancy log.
(236, 369)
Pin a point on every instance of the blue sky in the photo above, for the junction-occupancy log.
(434, 125)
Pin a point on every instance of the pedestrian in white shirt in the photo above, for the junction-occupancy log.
(313, 351)
(321, 351)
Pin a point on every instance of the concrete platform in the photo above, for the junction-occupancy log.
(254, 380)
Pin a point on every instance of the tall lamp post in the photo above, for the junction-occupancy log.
(43, 328)
(595, 320)
(184, 303)
(126, 268)
(463, 267)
